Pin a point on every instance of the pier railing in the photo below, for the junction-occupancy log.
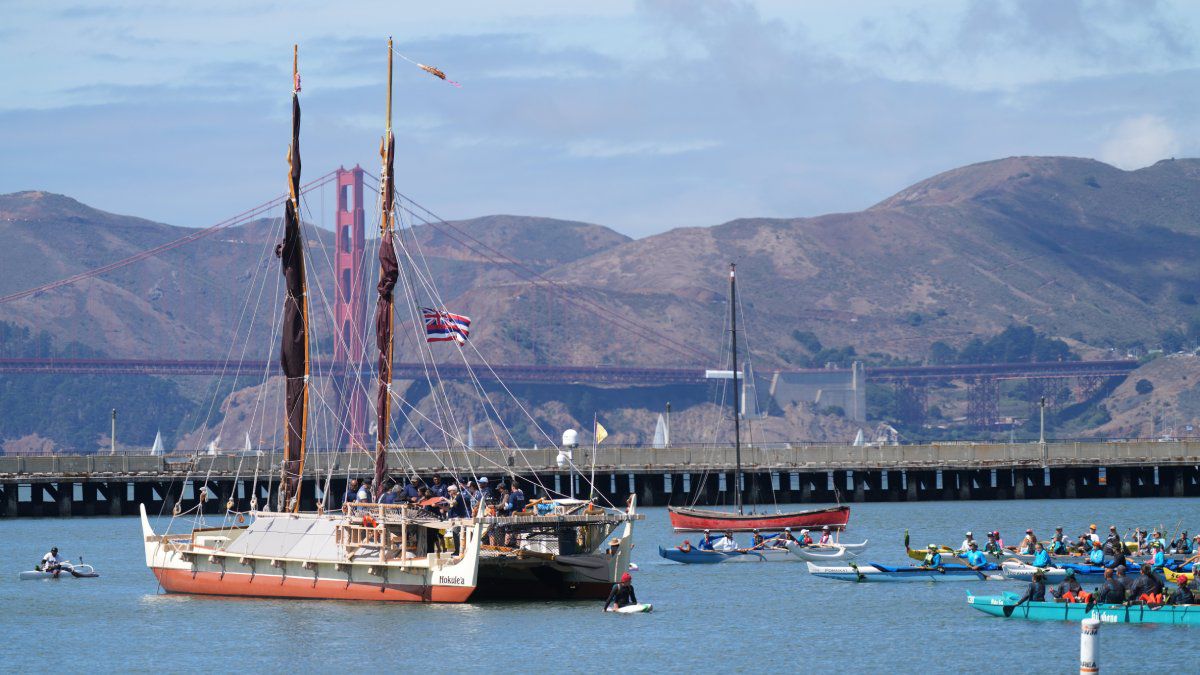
(638, 460)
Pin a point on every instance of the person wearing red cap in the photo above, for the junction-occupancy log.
(622, 594)
(1182, 595)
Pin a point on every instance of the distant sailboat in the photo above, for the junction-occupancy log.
(157, 448)
(249, 448)
(470, 438)
(213, 447)
(859, 441)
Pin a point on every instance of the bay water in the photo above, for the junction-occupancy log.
(739, 617)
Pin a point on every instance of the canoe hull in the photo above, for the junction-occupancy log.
(694, 520)
(1004, 606)
(872, 572)
(698, 557)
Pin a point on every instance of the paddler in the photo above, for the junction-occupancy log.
(1183, 544)
(1096, 555)
(51, 562)
(622, 594)
(826, 537)
(992, 547)
(726, 543)
(706, 543)
(975, 558)
(805, 538)
(1113, 591)
(1036, 591)
(1041, 557)
(1158, 559)
(1058, 544)
(933, 559)
(1070, 590)
(1147, 589)
(1027, 543)
(757, 541)
(1182, 595)
(686, 546)
(967, 541)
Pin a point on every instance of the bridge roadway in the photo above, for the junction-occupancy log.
(66, 485)
(554, 374)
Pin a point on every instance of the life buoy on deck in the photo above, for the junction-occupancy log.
(369, 521)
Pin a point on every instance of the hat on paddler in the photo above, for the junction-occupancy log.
(1070, 573)
(1182, 579)
(1093, 526)
(626, 578)
(933, 547)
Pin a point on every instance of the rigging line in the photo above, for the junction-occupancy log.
(633, 326)
(239, 219)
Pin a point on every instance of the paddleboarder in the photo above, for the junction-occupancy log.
(622, 593)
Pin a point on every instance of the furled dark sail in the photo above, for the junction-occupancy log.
(389, 271)
(293, 352)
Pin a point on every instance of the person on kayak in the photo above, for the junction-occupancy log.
(757, 541)
(51, 562)
(1113, 591)
(622, 594)
(1147, 589)
(1096, 555)
(706, 543)
(826, 536)
(976, 560)
(933, 559)
(784, 538)
(1036, 591)
(1041, 557)
(1182, 595)
(1070, 590)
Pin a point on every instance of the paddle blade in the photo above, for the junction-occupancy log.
(906, 539)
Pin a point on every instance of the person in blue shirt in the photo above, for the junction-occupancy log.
(932, 558)
(1158, 559)
(437, 488)
(390, 496)
(1183, 544)
(1058, 545)
(412, 491)
(976, 560)
(706, 544)
(1096, 555)
(1041, 557)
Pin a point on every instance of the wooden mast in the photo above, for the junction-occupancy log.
(294, 350)
(385, 306)
(737, 429)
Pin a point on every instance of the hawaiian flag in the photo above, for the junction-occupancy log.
(444, 326)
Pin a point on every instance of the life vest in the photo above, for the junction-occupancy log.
(1082, 596)
(369, 521)
(1151, 598)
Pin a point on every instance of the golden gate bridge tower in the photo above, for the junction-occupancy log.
(350, 306)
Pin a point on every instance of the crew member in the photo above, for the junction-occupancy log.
(1036, 591)
(1027, 542)
(967, 541)
(826, 536)
(757, 540)
(1112, 592)
(686, 546)
(1041, 557)
(976, 560)
(51, 562)
(1096, 555)
(1058, 544)
(1147, 589)
(1159, 559)
(1182, 595)
(726, 543)
(706, 542)
(805, 538)
(1070, 590)
(622, 594)
(933, 559)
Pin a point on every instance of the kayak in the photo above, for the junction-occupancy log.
(81, 572)
(819, 552)
(878, 572)
(1005, 605)
(641, 608)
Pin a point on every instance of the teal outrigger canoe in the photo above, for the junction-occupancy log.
(1006, 606)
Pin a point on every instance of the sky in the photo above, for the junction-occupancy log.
(639, 115)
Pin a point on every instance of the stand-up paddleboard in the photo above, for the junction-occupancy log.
(633, 609)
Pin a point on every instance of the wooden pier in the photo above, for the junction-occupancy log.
(80, 485)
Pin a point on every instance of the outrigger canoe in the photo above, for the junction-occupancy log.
(1005, 605)
(878, 572)
(68, 572)
(1019, 571)
(795, 552)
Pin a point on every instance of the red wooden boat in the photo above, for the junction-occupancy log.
(685, 519)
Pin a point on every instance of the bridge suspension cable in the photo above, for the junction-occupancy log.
(239, 219)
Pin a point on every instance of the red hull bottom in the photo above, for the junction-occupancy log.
(836, 518)
(274, 586)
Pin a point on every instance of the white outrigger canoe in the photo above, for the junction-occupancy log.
(878, 572)
(69, 571)
(794, 552)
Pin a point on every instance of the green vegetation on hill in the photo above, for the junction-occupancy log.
(1015, 344)
(75, 411)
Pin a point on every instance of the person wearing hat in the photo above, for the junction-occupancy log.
(726, 543)
(998, 538)
(975, 558)
(1041, 557)
(1157, 538)
(460, 507)
(1095, 554)
(1118, 561)
(1036, 591)
(805, 538)
(1182, 595)
(1058, 543)
(933, 559)
(967, 541)
(1158, 559)
(826, 536)
(1026, 545)
(707, 542)
(992, 547)
(364, 492)
(1092, 534)
(757, 541)
(1183, 544)
(786, 537)
(412, 491)
(1069, 590)
(622, 594)
(51, 562)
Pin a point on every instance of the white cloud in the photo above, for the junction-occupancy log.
(1140, 141)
